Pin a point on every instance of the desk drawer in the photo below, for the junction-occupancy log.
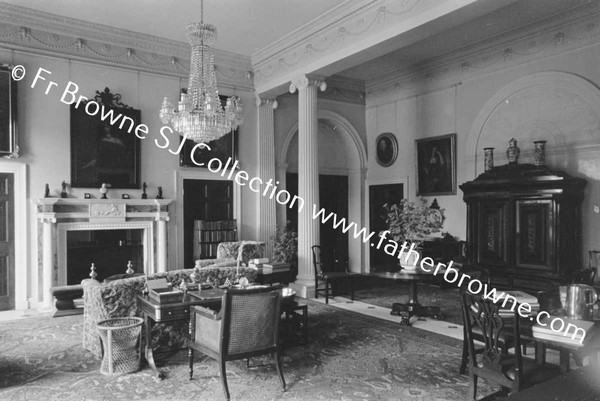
(172, 313)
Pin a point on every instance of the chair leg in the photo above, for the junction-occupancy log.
(224, 379)
(352, 289)
(191, 362)
(316, 287)
(465, 357)
(279, 369)
(327, 291)
(473, 387)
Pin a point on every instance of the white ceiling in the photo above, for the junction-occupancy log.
(245, 26)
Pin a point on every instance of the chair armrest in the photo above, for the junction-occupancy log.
(206, 312)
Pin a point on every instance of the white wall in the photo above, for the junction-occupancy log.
(457, 105)
(44, 139)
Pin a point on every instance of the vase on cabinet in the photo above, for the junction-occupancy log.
(513, 151)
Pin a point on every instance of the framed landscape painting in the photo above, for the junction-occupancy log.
(436, 165)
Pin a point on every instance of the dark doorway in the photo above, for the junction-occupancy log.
(378, 196)
(333, 197)
(209, 200)
(7, 242)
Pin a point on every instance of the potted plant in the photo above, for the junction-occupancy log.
(285, 246)
(411, 222)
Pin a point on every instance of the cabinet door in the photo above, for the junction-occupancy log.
(493, 218)
(535, 234)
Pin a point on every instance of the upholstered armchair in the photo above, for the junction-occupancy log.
(229, 253)
(246, 326)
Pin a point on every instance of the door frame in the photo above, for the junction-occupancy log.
(181, 175)
(400, 180)
(19, 172)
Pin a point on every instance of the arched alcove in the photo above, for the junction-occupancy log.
(341, 152)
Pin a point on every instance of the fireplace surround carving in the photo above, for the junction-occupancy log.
(57, 216)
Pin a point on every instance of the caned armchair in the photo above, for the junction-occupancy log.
(246, 326)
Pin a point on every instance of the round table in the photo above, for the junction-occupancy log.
(412, 307)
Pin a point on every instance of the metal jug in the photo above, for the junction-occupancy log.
(580, 300)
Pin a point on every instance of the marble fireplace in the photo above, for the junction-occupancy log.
(144, 220)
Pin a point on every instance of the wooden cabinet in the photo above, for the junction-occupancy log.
(524, 225)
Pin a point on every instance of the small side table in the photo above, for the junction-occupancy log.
(277, 276)
(291, 309)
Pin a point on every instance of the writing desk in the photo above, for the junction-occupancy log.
(153, 312)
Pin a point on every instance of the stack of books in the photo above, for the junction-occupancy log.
(275, 267)
(521, 297)
(258, 263)
(573, 331)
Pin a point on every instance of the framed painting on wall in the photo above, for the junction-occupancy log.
(102, 152)
(386, 149)
(436, 165)
(8, 112)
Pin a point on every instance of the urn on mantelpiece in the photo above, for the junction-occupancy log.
(539, 153)
(488, 160)
(513, 151)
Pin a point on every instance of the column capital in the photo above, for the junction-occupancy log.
(305, 81)
(263, 101)
(47, 219)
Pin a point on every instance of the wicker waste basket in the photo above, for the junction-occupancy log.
(122, 345)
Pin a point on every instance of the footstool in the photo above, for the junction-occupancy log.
(65, 295)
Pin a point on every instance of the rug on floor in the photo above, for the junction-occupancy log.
(349, 357)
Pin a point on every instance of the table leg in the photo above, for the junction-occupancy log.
(148, 352)
(564, 360)
(412, 293)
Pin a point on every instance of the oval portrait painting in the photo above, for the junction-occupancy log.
(386, 149)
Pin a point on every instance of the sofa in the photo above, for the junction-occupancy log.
(119, 299)
(229, 253)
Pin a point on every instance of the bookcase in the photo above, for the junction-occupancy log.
(208, 234)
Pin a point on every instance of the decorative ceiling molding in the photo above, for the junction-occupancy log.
(563, 33)
(345, 30)
(38, 32)
(344, 90)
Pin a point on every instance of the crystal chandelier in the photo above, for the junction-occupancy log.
(200, 116)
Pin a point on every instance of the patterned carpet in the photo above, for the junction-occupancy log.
(349, 357)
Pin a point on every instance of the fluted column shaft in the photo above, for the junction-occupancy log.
(308, 172)
(266, 171)
(161, 244)
(47, 260)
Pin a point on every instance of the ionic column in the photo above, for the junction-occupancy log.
(282, 210)
(266, 171)
(308, 178)
(161, 243)
(47, 259)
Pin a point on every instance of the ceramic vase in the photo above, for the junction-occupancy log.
(513, 151)
(488, 161)
(539, 153)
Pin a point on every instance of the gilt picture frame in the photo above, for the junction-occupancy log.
(386, 149)
(436, 165)
(102, 152)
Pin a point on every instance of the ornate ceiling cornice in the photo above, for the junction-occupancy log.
(353, 26)
(44, 33)
(560, 34)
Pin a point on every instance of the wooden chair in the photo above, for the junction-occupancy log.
(246, 326)
(495, 364)
(325, 274)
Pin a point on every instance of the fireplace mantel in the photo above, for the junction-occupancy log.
(57, 216)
